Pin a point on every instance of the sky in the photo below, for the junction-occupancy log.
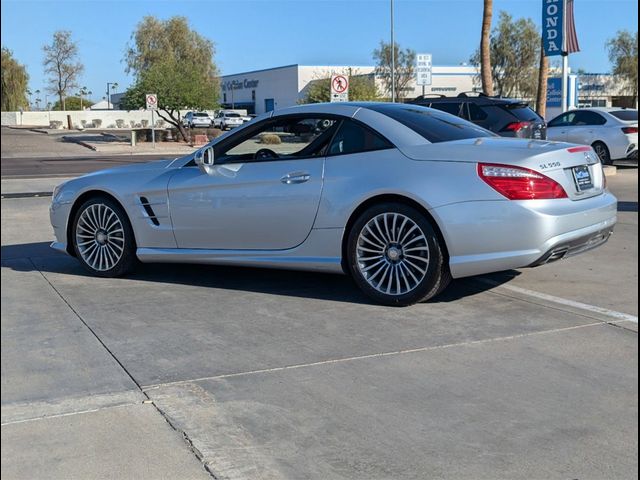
(258, 34)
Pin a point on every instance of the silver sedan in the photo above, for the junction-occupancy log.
(402, 198)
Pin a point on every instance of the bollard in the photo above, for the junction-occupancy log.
(69, 124)
(133, 138)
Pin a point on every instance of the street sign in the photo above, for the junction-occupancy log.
(423, 69)
(152, 101)
(339, 88)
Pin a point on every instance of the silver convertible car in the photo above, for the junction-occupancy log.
(402, 198)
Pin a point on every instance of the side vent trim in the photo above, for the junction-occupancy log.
(150, 213)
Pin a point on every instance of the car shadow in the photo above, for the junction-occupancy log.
(40, 257)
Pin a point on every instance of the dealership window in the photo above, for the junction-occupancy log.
(281, 138)
(253, 95)
(224, 97)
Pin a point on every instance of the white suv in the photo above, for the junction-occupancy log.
(197, 119)
(227, 120)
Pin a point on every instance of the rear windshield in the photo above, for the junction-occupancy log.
(626, 115)
(434, 125)
(200, 115)
(232, 115)
(522, 112)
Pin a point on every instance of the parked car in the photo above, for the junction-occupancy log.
(403, 198)
(197, 119)
(227, 120)
(612, 132)
(507, 117)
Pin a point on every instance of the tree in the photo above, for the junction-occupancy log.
(61, 63)
(515, 48)
(14, 83)
(174, 62)
(485, 48)
(361, 88)
(404, 67)
(72, 103)
(543, 74)
(623, 54)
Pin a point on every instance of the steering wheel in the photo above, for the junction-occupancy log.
(264, 154)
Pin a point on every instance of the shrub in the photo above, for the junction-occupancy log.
(97, 122)
(120, 123)
(57, 124)
(270, 139)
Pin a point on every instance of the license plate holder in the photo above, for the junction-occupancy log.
(582, 177)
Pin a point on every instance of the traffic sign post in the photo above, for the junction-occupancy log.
(152, 104)
(339, 88)
(423, 70)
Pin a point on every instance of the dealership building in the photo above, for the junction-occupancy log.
(261, 91)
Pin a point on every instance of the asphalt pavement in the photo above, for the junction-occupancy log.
(217, 372)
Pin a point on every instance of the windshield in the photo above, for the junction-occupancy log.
(626, 115)
(434, 125)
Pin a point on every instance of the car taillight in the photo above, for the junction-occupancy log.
(517, 126)
(517, 183)
(629, 130)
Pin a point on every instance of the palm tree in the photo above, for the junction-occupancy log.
(543, 73)
(485, 48)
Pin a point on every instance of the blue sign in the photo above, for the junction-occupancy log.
(554, 92)
(552, 26)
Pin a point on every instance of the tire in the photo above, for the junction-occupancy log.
(398, 263)
(103, 239)
(603, 152)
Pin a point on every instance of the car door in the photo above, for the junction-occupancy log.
(263, 190)
(557, 128)
(583, 127)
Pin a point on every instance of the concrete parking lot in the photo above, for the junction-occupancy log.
(200, 372)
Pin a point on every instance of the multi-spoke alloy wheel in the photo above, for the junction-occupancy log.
(392, 253)
(102, 237)
(395, 255)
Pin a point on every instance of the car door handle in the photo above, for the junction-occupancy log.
(295, 177)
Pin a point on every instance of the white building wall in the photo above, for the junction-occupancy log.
(280, 84)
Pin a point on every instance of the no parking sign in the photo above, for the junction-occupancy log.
(152, 101)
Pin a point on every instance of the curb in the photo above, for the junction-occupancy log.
(80, 142)
(610, 170)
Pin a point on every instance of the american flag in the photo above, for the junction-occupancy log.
(570, 35)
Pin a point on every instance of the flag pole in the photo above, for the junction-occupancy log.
(565, 81)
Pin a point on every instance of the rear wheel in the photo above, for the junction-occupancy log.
(603, 153)
(395, 256)
(103, 238)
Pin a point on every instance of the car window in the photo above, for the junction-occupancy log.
(433, 125)
(522, 112)
(586, 117)
(284, 138)
(476, 114)
(452, 108)
(353, 137)
(626, 115)
(562, 120)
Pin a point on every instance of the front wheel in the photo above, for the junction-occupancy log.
(395, 256)
(103, 238)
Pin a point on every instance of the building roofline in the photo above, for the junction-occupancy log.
(260, 70)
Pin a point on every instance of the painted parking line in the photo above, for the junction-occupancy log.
(620, 316)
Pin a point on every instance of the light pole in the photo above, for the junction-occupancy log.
(113, 85)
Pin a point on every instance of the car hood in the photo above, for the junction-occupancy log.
(135, 168)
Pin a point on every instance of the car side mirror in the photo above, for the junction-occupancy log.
(204, 159)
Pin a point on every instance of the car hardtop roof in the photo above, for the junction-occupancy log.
(475, 97)
(340, 108)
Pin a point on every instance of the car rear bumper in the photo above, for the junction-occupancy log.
(485, 237)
